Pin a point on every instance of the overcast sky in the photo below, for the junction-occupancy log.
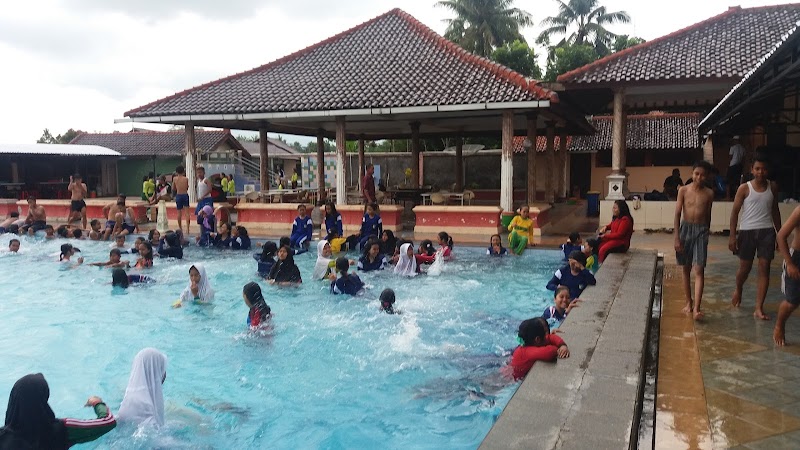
(83, 63)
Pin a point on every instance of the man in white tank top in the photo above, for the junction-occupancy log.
(203, 190)
(761, 219)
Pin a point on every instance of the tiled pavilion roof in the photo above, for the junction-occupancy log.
(725, 46)
(149, 143)
(390, 61)
(645, 132)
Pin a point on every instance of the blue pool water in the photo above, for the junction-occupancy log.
(335, 373)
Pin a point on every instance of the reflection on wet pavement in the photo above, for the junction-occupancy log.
(721, 382)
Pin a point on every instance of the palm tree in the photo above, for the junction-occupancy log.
(481, 26)
(588, 19)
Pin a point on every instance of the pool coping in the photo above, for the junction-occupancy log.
(591, 399)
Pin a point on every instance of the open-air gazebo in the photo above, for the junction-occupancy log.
(389, 78)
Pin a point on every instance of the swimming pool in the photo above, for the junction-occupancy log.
(335, 372)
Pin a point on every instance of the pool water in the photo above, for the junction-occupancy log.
(333, 373)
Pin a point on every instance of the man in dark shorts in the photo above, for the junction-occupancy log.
(180, 186)
(78, 191)
(758, 202)
(368, 185)
(790, 278)
(37, 217)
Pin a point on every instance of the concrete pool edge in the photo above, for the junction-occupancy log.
(591, 399)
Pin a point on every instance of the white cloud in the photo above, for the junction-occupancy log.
(83, 63)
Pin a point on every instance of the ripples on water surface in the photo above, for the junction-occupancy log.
(335, 373)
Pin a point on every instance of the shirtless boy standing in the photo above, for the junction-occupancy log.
(77, 208)
(761, 219)
(180, 184)
(790, 278)
(691, 234)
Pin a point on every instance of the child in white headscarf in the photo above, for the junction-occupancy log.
(143, 403)
(407, 265)
(324, 261)
(199, 288)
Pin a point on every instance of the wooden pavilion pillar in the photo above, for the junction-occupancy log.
(617, 179)
(549, 179)
(708, 149)
(415, 147)
(531, 157)
(361, 168)
(191, 161)
(459, 164)
(321, 187)
(507, 163)
(563, 187)
(263, 148)
(341, 162)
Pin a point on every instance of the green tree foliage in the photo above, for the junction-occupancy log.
(65, 138)
(624, 41)
(582, 22)
(569, 57)
(519, 57)
(480, 26)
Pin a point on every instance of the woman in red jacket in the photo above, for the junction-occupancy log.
(616, 236)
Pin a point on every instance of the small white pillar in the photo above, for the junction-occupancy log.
(507, 164)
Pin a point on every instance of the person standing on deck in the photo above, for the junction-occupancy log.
(761, 220)
(368, 185)
(203, 191)
(180, 185)
(737, 152)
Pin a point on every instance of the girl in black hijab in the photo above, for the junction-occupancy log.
(388, 243)
(285, 271)
(31, 424)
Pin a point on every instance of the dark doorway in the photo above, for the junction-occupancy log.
(580, 173)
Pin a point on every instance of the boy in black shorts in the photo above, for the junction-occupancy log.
(790, 278)
(77, 207)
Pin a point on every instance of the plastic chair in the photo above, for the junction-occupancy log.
(469, 196)
(438, 199)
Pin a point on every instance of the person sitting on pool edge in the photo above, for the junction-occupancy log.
(536, 344)
(574, 275)
(31, 424)
(199, 288)
(345, 283)
(521, 228)
(121, 279)
(260, 313)
(302, 229)
(285, 272)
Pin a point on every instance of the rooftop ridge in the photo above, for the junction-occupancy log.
(731, 11)
(498, 70)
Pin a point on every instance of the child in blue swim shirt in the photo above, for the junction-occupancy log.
(572, 244)
(349, 284)
(266, 259)
(302, 229)
(556, 313)
(574, 275)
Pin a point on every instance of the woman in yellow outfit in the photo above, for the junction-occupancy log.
(521, 228)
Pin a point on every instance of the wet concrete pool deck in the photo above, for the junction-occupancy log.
(722, 383)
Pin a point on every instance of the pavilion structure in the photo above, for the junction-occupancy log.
(687, 71)
(388, 78)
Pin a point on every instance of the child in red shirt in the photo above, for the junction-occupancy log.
(536, 344)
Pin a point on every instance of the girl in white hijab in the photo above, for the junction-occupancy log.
(407, 265)
(199, 288)
(143, 403)
(324, 262)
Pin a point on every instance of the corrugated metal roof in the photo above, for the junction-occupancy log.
(56, 150)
